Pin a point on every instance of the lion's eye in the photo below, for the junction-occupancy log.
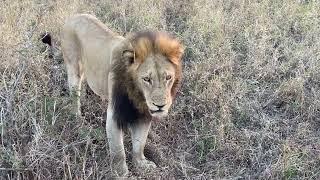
(147, 79)
(168, 77)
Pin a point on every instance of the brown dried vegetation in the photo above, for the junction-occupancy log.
(249, 106)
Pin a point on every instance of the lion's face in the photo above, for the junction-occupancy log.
(152, 61)
(155, 78)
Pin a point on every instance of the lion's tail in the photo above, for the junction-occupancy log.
(53, 50)
(46, 38)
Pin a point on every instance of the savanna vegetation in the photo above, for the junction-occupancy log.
(248, 108)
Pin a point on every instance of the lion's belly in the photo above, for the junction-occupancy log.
(97, 65)
(96, 70)
(98, 82)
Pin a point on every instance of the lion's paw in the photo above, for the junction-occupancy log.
(145, 164)
(121, 169)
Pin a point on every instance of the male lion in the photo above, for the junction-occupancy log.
(139, 75)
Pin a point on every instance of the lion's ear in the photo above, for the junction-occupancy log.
(128, 56)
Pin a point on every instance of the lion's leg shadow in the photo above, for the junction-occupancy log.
(139, 134)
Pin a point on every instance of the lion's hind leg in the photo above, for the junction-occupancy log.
(71, 55)
(75, 80)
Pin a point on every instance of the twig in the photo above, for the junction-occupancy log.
(2, 125)
(15, 169)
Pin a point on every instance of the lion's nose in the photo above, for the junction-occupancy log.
(159, 106)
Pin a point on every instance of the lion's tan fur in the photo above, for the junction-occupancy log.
(87, 45)
(158, 43)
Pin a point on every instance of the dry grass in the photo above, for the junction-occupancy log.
(249, 106)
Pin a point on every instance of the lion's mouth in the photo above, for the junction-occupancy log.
(156, 111)
(160, 113)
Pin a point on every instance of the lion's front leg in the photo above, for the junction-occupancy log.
(115, 139)
(139, 134)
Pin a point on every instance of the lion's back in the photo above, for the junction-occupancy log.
(90, 43)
